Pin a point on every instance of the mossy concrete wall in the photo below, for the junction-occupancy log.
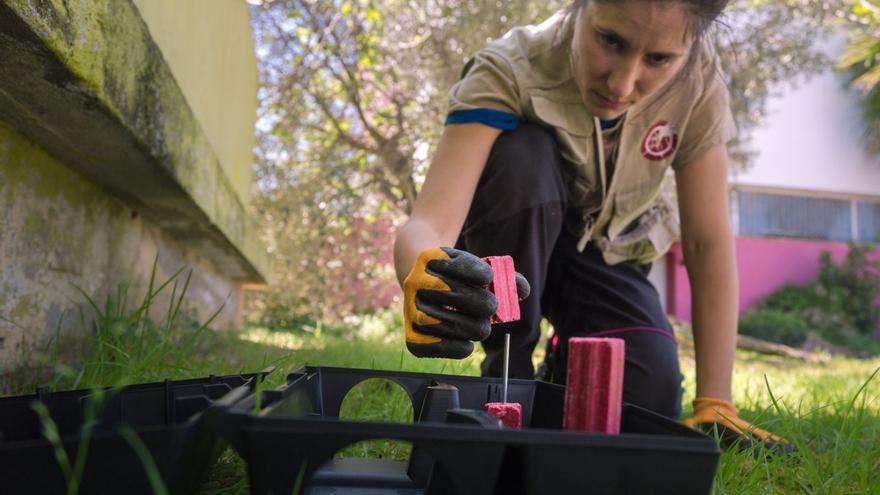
(105, 163)
(60, 233)
(209, 47)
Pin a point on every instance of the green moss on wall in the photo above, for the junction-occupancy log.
(18, 158)
(23, 308)
(98, 127)
(62, 214)
(120, 118)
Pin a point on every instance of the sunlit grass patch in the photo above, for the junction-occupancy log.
(281, 340)
(830, 411)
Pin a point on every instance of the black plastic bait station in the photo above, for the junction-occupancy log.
(290, 443)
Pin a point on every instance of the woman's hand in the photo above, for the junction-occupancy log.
(720, 415)
(425, 271)
(446, 304)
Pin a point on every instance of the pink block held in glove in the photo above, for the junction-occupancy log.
(504, 288)
(510, 413)
(594, 392)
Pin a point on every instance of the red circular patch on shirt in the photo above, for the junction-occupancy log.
(660, 141)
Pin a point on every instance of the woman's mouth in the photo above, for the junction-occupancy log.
(607, 103)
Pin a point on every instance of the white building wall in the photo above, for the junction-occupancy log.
(813, 140)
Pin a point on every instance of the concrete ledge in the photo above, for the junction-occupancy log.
(84, 80)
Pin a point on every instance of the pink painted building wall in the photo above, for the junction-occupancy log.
(763, 265)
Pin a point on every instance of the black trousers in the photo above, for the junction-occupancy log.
(518, 210)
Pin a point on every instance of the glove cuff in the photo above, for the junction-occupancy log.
(718, 406)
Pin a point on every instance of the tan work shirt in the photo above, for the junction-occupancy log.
(528, 72)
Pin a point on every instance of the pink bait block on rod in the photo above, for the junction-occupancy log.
(594, 390)
(504, 288)
(510, 413)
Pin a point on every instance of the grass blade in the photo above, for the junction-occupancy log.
(143, 453)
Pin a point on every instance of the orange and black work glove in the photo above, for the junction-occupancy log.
(446, 304)
(717, 414)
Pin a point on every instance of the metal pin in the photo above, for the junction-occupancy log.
(506, 361)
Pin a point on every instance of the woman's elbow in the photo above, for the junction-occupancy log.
(717, 243)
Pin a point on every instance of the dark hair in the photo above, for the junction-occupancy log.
(703, 15)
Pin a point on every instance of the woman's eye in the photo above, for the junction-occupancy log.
(658, 59)
(609, 40)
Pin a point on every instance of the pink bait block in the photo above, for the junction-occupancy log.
(594, 392)
(504, 288)
(510, 413)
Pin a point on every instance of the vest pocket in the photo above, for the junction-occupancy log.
(647, 237)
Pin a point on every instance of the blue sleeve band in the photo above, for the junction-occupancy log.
(487, 116)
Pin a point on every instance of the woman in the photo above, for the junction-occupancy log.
(557, 142)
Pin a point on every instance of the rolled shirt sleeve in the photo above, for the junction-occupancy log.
(487, 93)
(711, 121)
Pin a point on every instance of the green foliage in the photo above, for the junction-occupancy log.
(853, 288)
(352, 103)
(841, 306)
(775, 325)
(861, 60)
(833, 429)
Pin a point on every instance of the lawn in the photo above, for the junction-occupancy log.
(830, 411)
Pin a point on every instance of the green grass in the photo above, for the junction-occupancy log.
(830, 411)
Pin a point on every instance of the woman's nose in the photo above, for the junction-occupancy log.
(622, 79)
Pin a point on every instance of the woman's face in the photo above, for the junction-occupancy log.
(624, 51)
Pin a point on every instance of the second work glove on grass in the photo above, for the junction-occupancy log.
(733, 431)
(446, 303)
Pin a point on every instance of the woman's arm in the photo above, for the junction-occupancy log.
(709, 255)
(445, 198)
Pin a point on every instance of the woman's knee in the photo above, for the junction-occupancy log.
(525, 144)
(652, 377)
(525, 165)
